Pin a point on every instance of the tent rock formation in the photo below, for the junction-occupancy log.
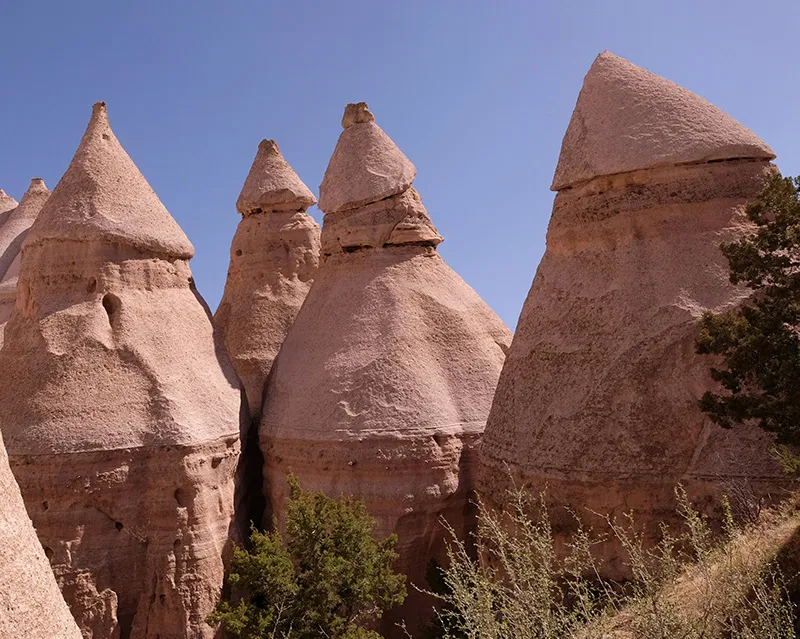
(383, 384)
(597, 401)
(274, 256)
(122, 417)
(13, 230)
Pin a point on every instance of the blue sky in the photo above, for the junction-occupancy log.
(477, 94)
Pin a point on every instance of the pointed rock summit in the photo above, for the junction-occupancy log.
(272, 185)
(31, 605)
(121, 419)
(7, 203)
(366, 166)
(598, 401)
(628, 119)
(12, 234)
(274, 256)
(383, 384)
(109, 199)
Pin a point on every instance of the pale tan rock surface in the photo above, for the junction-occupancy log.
(628, 119)
(31, 605)
(383, 384)
(13, 231)
(597, 402)
(366, 165)
(7, 204)
(274, 256)
(122, 417)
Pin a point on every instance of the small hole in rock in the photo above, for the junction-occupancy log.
(91, 287)
(216, 461)
(45, 505)
(48, 552)
(180, 497)
(111, 304)
(239, 253)
(118, 525)
(162, 599)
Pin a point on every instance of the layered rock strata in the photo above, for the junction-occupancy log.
(122, 417)
(31, 605)
(13, 231)
(383, 384)
(274, 256)
(598, 400)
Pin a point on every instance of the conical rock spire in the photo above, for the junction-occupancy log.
(274, 256)
(366, 165)
(272, 185)
(628, 119)
(104, 196)
(19, 221)
(7, 203)
(383, 384)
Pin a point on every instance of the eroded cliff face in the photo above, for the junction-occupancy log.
(383, 384)
(122, 418)
(274, 256)
(30, 602)
(597, 402)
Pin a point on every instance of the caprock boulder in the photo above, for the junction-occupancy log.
(122, 417)
(274, 256)
(31, 605)
(598, 400)
(13, 230)
(383, 384)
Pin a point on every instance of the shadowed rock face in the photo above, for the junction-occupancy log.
(597, 402)
(31, 605)
(122, 417)
(7, 204)
(383, 384)
(274, 256)
(13, 230)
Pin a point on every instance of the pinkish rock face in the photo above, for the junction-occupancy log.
(13, 230)
(30, 602)
(628, 119)
(7, 204)
(274, 256)
(597, 402)
(383, 384)
(122, 418)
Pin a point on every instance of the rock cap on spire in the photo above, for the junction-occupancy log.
(627, 119)
(366, 165)
(103, 196)
(272, 185)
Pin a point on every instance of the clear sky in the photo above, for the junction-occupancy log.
(477, 94)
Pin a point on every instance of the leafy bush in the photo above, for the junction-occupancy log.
(328, 577)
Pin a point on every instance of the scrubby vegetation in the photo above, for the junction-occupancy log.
(326, 577)
(693, 584)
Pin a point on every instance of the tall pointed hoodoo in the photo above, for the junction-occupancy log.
(13, 231)
(598, 399)
(274, 256)
(383, 384)
(7, 204)
(122, 417)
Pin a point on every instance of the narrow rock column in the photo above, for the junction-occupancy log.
(13, 231)
(7, 204)
(31, 605)
(598, 400)
(274, 256)
(383, 384)
(122, 418)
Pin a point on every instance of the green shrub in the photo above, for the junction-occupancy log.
(328, 577)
